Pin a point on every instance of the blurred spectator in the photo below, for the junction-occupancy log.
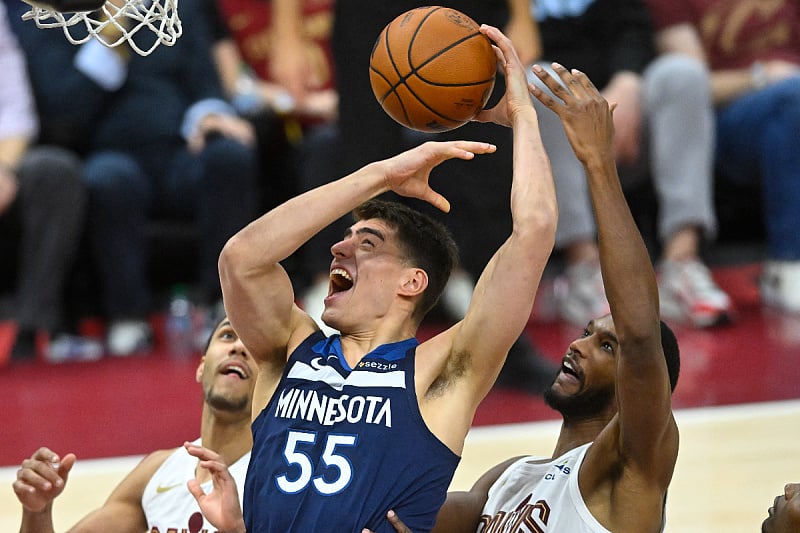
(479, 220)
(251, 83)
(294, 138)
(41, 212)
(753, 51)
(663, 126)
(160, 142)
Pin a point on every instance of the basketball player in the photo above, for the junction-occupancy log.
(154, 495)
(784, 515)
(618, 444)
(372, 419)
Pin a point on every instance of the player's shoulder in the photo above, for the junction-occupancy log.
(132, 487)
(153, 460)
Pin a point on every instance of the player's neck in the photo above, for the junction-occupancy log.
(227, 435)
(356, 345)
(576, 433)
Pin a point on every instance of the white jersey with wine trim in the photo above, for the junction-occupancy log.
(540, 497)
(167, 503)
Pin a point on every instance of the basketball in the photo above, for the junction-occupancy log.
(431, 69)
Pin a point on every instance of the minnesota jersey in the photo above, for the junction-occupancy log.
(167, 503)
(337, 447)
(540, 498)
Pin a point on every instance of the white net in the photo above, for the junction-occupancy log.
(115, 23)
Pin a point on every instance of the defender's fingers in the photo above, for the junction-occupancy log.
(584, 80)
(37, 480)
(45, 454)
(200, 452)
(66, 464)
(552, 80)
(195, 489)
(217, 468)
(543, 96)
(33, 470)
(572, 81)
(578, 83)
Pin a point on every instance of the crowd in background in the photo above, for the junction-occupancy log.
(103, 151)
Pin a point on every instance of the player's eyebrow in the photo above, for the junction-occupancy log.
(371, 231)
(605, 332)
(363, 230)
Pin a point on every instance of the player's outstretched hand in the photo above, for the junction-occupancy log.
(42, 478)
(220, 506)
(393, 519)
(407, 173)
(585, 114)
(517, 96)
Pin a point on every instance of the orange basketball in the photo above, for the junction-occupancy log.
(431, 69)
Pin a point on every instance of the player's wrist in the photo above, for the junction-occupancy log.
(40, 521)
(238, 528)
(525, 115)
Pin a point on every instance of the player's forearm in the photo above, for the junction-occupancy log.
(533, 197)
(510, 279)
(37, 522)
(280, 232)
(631, 288)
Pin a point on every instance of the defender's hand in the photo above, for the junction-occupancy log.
(42, 478)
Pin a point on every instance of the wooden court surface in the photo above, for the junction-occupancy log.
(732, 463)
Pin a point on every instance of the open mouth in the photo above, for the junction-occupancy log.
(340, 280)
(234, 369)
(571, 370)
(568, 368)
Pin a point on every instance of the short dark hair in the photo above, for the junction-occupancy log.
(669, 343)
(217, 323)
(424, 242)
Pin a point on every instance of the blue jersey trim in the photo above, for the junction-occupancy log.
(392, 351)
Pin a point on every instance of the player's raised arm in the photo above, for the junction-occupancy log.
(647, 439)
(501, 304)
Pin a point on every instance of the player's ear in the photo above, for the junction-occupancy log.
(198, 375)
(415, 282)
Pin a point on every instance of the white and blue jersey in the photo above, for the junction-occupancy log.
(337, 447)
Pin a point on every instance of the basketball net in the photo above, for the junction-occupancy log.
(114, 24)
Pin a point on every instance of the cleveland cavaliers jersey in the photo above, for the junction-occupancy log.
(540, 497)
(337, 447)
(167, 503)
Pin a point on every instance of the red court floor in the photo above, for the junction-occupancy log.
(131, 406)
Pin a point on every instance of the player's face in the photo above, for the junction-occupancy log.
(586, 383)
(366, 273)
(227, 371)
(784, 515)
